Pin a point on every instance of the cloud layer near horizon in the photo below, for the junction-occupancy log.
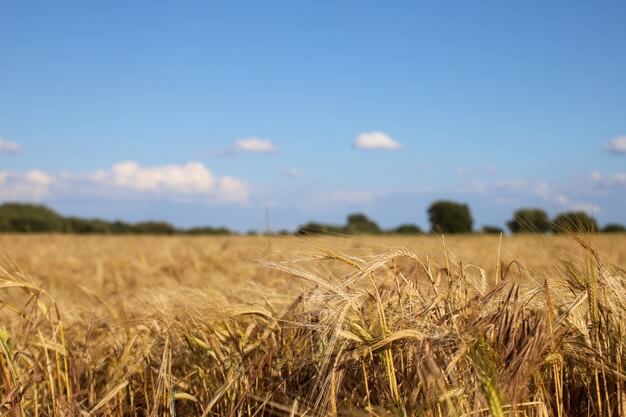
(190, 181)
(193, 182)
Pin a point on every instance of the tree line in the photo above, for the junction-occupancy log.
(447, 217)
(451, 217)
(33, 218)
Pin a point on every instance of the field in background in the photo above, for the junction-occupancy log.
(120, 269)
(316, 326)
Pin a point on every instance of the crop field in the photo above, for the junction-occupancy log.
(318, 326)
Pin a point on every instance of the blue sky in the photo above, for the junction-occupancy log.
(208, 112)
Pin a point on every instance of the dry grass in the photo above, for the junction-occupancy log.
(234, 326)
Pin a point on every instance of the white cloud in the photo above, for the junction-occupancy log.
(376, 140)
(255, 145)
(38, 177)
(232, 190)
(190, 180)
(522, 192)
(32, 185)
(187, 182)
(608, 182)
(6, 146)
(595, 176)
(617, 145)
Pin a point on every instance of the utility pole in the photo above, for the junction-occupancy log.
(268, 225)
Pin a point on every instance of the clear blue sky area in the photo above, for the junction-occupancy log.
(208, 112)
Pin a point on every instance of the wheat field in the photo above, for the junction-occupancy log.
(316, 326)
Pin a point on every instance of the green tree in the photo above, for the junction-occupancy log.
(529, 220)
(614, 228)
(86, 226)
(314, 228)
(119, 227)
(407, 229)
(574, 221)
(491, 230)
(450, 217)
(208, 230)
(29, 218)
(359, 223)
(154, 228)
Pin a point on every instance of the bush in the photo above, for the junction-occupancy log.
(450, 217)
(529, 220)
(575, 222)
(491, 230)
(614, 228)
(407, 229)
(29, 218)
(359, 223)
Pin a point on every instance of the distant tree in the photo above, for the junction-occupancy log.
(574, 221)
(314, 228)
(529, 220)
(154, 228)
(207, 230)
(84, 226)
(407, 229)
(450, 217)
(614, 228)
(120, 227)
(29, 218)
(359, 223)
(491, 230)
